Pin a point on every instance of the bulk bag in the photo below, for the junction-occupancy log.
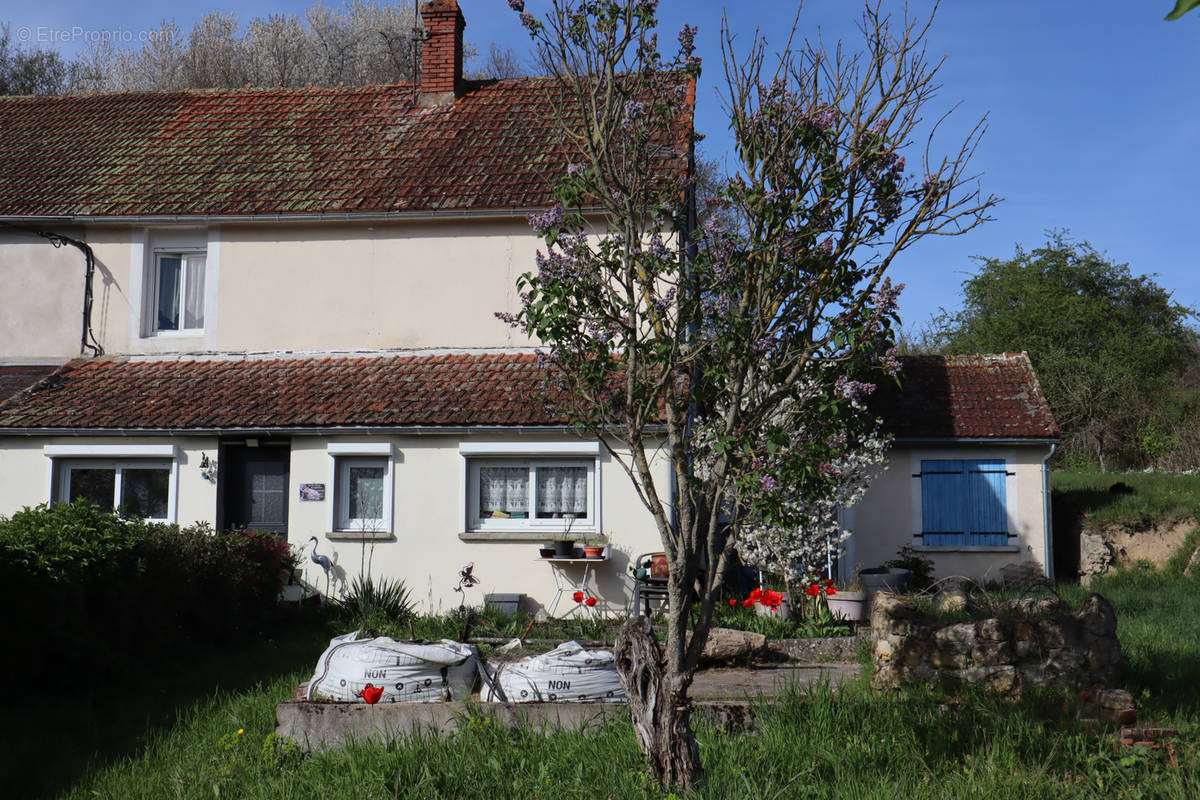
(408, 672)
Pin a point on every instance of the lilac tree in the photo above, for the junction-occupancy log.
(739, 350)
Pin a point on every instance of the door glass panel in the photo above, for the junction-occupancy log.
(268, 487)
(144, 492)
(95, 485)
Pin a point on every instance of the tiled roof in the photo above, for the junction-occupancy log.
(15, 377)
(943, 397)
(971, 396)
(223, 392)
(282, 151)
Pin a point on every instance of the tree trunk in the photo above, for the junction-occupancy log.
(661, 712)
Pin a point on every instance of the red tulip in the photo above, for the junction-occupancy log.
(748, 602)
(813, 590)
(371, 694)
(733, 601)
(755, 596)
(591, 601)
(577, 597)
(772, 599)
(830, 590)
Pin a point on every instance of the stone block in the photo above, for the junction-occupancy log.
(725, 645)
(991, 653)
(993, 629)
(947, 659)
(1097, 616)
(957, 638)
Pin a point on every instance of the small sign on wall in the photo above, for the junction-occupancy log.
(312, 491)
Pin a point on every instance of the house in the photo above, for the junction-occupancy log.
(286, 302)
(295, 294)
(968, 481)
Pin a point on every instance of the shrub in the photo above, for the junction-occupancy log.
(103, 588)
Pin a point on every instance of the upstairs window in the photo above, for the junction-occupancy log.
(178, 296)
(964, 503)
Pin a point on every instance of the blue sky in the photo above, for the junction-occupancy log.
(1093, 112)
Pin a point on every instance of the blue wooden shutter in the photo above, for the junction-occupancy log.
(942, 512)
(987, 512)
(963, 502)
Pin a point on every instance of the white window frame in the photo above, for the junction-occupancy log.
(185, 255)
(64, 458)
(343, 455)
(532, 455)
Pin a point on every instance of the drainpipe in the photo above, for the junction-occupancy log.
(87, 339)
(1048, 522)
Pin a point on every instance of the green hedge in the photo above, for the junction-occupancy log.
(102, 590)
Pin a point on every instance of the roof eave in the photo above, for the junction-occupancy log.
(339, 216)
(930, 440)
(300, 430)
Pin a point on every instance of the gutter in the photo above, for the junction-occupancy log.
(301, 430)
(1048, 522)
(1050, 440)
(339, 216)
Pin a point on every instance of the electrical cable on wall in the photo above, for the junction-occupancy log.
(87, 338)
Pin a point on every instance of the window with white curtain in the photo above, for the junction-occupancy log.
(513, 494)
(178, 293)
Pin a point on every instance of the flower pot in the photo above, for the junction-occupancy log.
(564, 548)
(889, 579)
(849, 606)
(592, 552)
(547, 552)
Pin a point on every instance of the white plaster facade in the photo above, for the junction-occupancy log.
(427, 544)
(889, 515)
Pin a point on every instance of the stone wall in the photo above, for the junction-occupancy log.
(1007, 655)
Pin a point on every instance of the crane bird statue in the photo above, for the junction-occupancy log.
(321, 561)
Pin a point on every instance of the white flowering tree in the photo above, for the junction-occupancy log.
(738, 350)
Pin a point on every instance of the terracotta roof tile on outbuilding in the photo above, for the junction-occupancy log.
(317, 150)
(966, 397)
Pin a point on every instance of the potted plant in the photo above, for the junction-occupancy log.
(593, 546)
(849, 603)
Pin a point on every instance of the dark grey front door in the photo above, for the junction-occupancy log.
(254, 486)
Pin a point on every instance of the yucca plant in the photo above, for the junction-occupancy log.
(371, 601)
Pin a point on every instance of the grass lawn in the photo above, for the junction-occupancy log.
(205, 731)
(1157, 496)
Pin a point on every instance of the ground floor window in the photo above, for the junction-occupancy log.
(359, 490)
(964, 502)
(139, 488)
(362, 477)
(515, 493)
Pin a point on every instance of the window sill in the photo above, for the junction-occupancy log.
(361, 536)
(967, 548)
(523, 536)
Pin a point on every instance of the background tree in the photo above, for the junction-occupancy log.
(1182, 7)
(26, 71)
(1109, 346)
(738, 353)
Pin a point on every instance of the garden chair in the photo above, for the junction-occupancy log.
(649, 572)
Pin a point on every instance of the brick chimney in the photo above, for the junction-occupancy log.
(442, 59)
